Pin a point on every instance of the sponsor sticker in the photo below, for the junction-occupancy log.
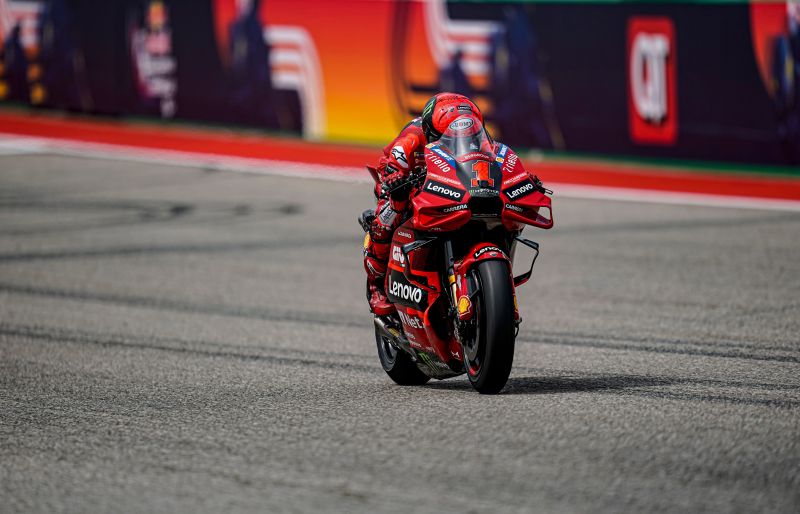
(511, 161)
(520, 190)
(463, 305)
(443, 190)
(440, 163)
(442, 178)
(514, 179)
(455, 208)
(483, 191)
(405, 292)
(397, 255)
(444, 155)
(515, 208)
(411, 321)
(485, 249)
(400, 156)
(388, 215)
(462, 124)
(475, 155)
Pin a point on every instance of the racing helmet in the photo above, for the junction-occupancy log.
(442, 109)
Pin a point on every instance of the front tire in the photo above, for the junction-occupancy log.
(490, 353)
(398, 364)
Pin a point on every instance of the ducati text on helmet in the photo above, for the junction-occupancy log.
(462, 124)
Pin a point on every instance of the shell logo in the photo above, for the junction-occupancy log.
(464, 305)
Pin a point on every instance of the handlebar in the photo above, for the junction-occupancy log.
(414, 179)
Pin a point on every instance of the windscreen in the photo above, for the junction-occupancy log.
(465, 135)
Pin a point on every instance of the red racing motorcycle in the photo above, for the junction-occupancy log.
(450, 270)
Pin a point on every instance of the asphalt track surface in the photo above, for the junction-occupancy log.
(182, 340)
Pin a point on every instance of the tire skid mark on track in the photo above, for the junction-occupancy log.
(623, 345)
(136, 213)
(188, 307)
(606, 379)
(747, 345)
(738, 350)
(132, 251)
(626, 385)
(629, 385)
(175, 345)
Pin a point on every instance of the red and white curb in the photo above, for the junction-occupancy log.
(11, 144)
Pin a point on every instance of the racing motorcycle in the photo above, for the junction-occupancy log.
(450, 272)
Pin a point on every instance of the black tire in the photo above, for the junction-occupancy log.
(398, 364)
(491, 354)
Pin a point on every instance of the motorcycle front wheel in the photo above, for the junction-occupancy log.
(398, 364)
(489, 353)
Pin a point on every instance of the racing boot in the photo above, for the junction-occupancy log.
(375, 267)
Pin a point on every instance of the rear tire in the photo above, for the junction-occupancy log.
(489, 358)
(398, 364)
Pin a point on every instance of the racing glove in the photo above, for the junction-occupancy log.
(394, 176)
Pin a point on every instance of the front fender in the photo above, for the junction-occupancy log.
(464, 289)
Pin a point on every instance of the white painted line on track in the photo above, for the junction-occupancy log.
(672, 197)
(15, 145)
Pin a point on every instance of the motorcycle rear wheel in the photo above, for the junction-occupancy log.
(489, 355)
(398, 364)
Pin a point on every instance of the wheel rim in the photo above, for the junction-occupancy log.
(387, 349)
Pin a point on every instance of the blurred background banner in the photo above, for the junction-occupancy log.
(698, 80)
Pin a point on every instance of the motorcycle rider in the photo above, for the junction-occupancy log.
(400, 157)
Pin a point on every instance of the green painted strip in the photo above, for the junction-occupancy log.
(596, 2)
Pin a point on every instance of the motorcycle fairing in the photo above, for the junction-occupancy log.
(523, 202)
(415, 304)
(441, 204)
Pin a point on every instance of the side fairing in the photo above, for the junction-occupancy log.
(523, 202)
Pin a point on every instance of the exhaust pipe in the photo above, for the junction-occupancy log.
(390, 331)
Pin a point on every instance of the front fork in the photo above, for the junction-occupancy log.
(451, 274)
(463, 290)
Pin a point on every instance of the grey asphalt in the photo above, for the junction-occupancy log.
(183, 340)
